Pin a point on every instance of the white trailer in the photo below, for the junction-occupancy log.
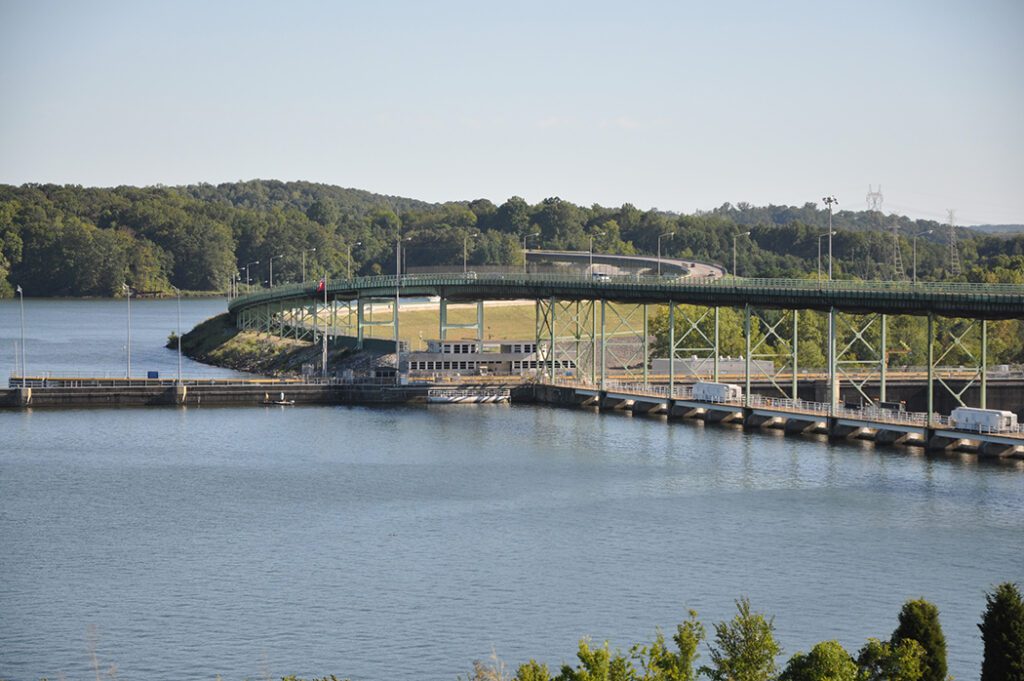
(717, 392)
(983, 420)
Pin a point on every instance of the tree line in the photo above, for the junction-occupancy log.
(744, 649)
(68, 240)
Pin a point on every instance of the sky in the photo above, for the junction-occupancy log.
(680, 106)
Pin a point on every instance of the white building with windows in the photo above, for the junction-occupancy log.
(495, 358)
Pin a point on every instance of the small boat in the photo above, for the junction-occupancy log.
(474, 395)
(282, 402)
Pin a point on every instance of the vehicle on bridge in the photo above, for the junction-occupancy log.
(983, 420)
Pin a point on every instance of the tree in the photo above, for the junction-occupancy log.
(598, 664)
(827, 661)
(745, 648)
(880, 661)
(1002, 631)
(661, 664)
(919, 620)
(532, 671)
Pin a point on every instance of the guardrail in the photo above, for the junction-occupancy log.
(1004, 300)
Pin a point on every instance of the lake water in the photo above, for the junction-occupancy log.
(403, 543)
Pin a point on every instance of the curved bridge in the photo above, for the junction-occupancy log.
(969, 301)
(581, 322)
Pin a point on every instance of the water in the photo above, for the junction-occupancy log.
(405, 542)
(75, 337)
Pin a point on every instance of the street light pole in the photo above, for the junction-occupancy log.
(592, 250)
(21, 297)
(734, 237)
(177, 292)
(465, 242)
(248, 285)
(358, 243)
(525, 237)
(128, 347)
(927, 231)
(304, 252)
(660, 236)
(830, 201)
(272, 269)
(820, 237)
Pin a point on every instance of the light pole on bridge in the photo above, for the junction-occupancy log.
(660, 237)
(350, 246)
(525, 238)
(592, 235)
(820, 237)
(272, 269)
(248, 285)
(304, 252)
(465, 243)
(830, 201)
(734, 237)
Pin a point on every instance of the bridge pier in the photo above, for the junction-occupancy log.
(649, 407)
(801, 426)
(842, 431)
(755, 420)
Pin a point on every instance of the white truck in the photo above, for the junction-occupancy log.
(983, 420)
(717, 392)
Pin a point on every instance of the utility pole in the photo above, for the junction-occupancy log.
(899, 273)
(954, 249)
(875, 199)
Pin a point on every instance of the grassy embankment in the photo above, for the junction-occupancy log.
(216, 341)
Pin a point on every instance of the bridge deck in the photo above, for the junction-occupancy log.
(974, 301)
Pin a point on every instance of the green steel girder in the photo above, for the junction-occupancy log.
(978, 301)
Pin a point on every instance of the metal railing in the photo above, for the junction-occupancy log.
(822, 410)
(608, 285)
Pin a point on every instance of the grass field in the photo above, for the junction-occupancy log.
(418, 325)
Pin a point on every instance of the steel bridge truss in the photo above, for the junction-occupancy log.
(363, 321)
(689, 339)
(963, 342)
(772, 348)
(593, 338)
(445, 326)
(860, 353)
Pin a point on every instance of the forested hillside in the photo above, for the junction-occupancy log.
(79, 241)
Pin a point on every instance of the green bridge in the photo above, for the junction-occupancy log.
(580, 321)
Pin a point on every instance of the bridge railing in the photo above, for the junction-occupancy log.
(612, 283)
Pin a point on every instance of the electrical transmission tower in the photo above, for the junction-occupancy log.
(899, 274)
(875, 199)
(954, 250)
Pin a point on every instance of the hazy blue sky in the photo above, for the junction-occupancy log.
(675, 105)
